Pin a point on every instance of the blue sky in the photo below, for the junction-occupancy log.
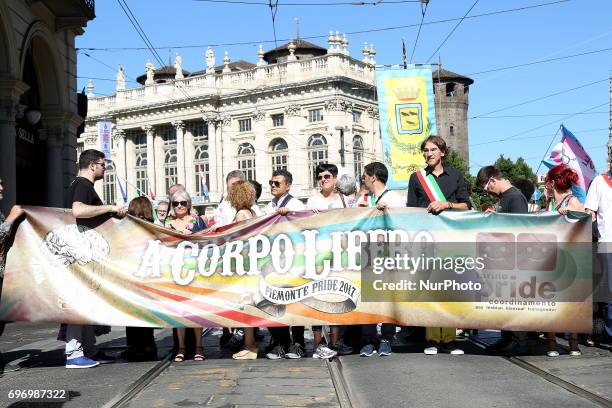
(478, 44)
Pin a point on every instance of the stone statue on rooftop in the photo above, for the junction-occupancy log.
(210, 60)
(121, 79)
(178, 66)
(150, 72)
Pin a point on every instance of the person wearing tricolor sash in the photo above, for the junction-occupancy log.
(438, 188)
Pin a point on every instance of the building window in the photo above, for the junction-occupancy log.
(168, 134)
(140, 150)
(315, 115)
(198, 130)
(170, 173)
(79, 148)
(278, 120)
(244, 125)
(142, 183)
(109, 183)
(317, 154)
(246, 160)
(279, 150)
(202, 169)
(358, 156)
(451, 130)
(356, 116)
(450, 89)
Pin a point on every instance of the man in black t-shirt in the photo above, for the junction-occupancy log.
(89, 211)
(513, 201)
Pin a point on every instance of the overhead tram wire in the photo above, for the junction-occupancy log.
(541, 98)
(532, 137)
(550, 123)
(539, 62)
(416, 41)
(145, 38)
(373, 30)
(539, 115)
(433, 54)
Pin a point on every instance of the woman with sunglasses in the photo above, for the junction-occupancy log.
(558, 184)
(186, 222)
(327, 198)
(242, 198)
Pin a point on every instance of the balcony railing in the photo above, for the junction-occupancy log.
(286, 73)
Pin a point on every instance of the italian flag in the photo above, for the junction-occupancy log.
(431, 187)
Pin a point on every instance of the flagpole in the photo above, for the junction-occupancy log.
(549, 146)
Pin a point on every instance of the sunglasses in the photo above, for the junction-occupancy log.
(181, 203)
(101, 164)
(274, 183)
(486, 186)
(324, 176)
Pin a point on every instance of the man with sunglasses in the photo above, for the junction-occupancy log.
(89, 211)
(511, 200)
(283, 202)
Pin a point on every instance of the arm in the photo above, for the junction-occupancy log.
(411, 199)
(80, 210)
(463, 197)
(573, 205)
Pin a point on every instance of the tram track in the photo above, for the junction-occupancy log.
(558, 381)
(129, 393)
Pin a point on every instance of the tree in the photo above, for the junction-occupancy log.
(515, 170)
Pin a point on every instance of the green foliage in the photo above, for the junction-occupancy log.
(515, 170)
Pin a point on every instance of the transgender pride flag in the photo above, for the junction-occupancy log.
(571, 152)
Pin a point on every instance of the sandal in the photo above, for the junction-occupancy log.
(180, 356)
(199, 356)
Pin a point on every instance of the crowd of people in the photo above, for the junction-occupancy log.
(437, 188)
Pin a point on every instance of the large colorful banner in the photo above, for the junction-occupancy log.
(407, 116)
(349, 266)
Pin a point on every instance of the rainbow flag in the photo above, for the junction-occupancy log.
(569, 151)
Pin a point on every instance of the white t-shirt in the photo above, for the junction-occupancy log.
(392, 199)
(599, 199)
(293, 205)
(224, 213)
(318, 202)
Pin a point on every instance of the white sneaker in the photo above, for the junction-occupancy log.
(431, 350)
(552, 353)
(323, 352)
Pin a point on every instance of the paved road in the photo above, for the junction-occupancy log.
(407, 378)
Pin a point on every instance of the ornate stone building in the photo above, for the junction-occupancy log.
(38, 104)
(297, 106)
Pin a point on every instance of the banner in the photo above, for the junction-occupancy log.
(407, 116)
(349, 266)
(104, 138)
(570, 152)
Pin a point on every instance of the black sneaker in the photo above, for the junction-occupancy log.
(225, 337)
(295, 351)
(341, 348)
(237, 340)
(277, 353)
